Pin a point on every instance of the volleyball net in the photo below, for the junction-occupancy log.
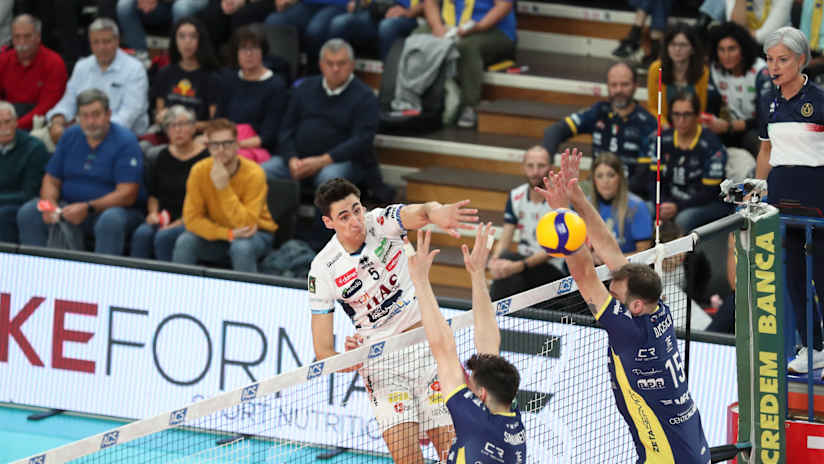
(315, 412)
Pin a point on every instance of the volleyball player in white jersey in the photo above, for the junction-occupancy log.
(364, 269)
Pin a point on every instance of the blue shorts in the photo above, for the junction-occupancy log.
(797, 187)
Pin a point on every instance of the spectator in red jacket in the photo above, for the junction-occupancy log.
(32, 77)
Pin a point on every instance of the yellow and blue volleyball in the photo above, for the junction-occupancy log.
(561, 232)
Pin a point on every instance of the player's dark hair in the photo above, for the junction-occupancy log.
(642, 282)
(334, 190)
(496, 374)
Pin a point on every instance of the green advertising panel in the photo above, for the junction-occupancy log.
(759, 332)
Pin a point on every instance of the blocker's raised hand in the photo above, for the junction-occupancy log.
(421, 260)
(476, 261)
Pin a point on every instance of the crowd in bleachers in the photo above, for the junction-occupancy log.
(118, 151)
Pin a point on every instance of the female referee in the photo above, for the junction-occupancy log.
(791, 158)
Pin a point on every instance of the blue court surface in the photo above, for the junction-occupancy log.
(20, 438)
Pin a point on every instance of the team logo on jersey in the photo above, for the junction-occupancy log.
(394, 261)
(680, 401)
(312, 284)
(651, 384)
(380, 220)
(662, 327)
(357, 284)
(515, 439)
(807, 109)
(350, 275)
(646, 354)
(648, 373)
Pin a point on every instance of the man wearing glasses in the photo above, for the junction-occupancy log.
(693, 164)
(225, 212)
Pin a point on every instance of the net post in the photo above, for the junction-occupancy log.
(759, 329)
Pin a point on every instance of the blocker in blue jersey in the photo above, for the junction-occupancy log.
(645, 366)
(488, 429)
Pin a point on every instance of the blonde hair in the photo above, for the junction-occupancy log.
(621, 200)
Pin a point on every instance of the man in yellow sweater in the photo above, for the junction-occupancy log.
(225, 210)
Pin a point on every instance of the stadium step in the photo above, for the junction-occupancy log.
(528, 118)
(448, 185)
(574, 20)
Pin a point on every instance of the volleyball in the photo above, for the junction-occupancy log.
(561, 232)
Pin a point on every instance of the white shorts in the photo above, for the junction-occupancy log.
(403, 387)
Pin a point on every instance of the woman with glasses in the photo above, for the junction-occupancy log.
(166, 183)
(738, 78)
(682, 70)
(792, 160)
(253, 97)
(693, 164)
(190, 79)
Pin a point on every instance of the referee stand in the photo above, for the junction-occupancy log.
(779, 417)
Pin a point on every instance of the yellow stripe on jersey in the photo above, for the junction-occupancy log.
(603, 307)
(644, 159)
(456, 390)
(571, 125)
(448, 12)
(646, 423)
(711, 181)
(461, 459)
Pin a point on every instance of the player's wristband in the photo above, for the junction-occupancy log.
(231, 235)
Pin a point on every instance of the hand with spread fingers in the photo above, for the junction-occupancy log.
(453, 217)
(421, 261)
(475, 262)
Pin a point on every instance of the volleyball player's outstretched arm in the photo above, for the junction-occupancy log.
(438, 333)
(487, 335)
(581, 266)
(597, 232)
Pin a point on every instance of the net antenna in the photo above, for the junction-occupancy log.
(658, 262)
(288, 418)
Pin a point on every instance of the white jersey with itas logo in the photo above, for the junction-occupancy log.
(372, 284)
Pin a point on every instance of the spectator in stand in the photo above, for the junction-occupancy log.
(134, 14)
(792, 162)
(330, 125)
(121, 77)
(380, 21)
(96, 175)
(311, 18)
(189, 79)
(759, 17)
(625, 214)
(61, 23)
(530, 267)
(693, 165)
(254, 97)
(659, 10)
(619, 125)
(486, 35)
(738, 78)
(225, 211)
(682, 70)
(32, 77)
(223, 17)
(812, 20)
(23, 159)
(166, 185)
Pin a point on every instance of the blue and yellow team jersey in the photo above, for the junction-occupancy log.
(457, 12)
(689, 177)
(648, 382)
(625, 136)
(481, 436)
